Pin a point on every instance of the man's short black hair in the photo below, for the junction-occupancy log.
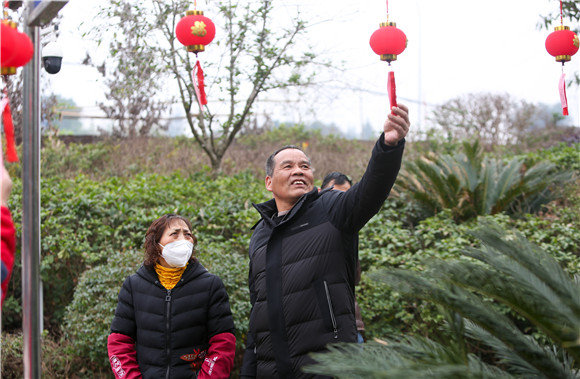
(270, 161)
(335, 178)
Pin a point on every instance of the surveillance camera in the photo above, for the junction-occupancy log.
(52, 57)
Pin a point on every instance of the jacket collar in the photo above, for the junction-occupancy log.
(193, 270)
(268, 209)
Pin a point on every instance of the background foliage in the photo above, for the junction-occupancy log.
(98, 200)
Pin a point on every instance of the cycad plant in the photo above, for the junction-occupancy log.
(471, 184)
(507, 269)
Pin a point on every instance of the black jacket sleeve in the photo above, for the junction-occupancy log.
(124, 320)
(352, 209)
(219, 313)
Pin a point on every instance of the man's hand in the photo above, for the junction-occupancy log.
(397, 125)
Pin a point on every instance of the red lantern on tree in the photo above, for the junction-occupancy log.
(195, 31)
(388, 42)
(562, 43)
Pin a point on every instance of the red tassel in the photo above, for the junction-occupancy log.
(11, 155)
(392, 89)
(200, 81)
(563, 99)
(198, 85)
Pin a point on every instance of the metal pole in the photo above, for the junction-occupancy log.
(31, 284)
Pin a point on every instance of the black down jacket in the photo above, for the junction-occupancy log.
(302, 270)
(167, 324)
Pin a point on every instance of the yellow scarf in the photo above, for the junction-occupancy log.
(169, 276)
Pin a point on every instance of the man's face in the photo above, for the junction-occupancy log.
(292, 178)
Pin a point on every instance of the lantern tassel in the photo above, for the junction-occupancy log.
(563, 99)
(392, 89)
(198, 84)
(11, 155)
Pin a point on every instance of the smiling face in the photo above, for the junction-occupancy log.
(292, 177)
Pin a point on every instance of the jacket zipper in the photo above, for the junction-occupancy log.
(331, 309)
(168, 331)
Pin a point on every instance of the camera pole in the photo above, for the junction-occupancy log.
(36, 14)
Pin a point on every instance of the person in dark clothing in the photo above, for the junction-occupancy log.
(303, 257)
(337, 180)
(340, 182)
(173, 318)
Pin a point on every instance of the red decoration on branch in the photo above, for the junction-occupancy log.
(562, 44)
(195, 31)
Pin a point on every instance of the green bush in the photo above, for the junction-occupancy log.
(93, 227)
(85, 219)
(89, 315)
(385, 242)
(472, 184)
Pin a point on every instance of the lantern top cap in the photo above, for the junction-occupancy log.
(387, 23)
(10, 23)
(194, 12)
(561, 27)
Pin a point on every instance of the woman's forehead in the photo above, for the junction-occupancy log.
(177, 224)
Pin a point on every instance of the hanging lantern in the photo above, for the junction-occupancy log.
(16, 48)
(388, 42)
(562, 43)
(7, 46)
(195, 31)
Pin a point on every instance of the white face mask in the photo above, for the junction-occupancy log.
(177, 253)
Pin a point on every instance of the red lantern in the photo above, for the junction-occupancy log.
(562, 43)
(7, 46)
(16, 48)
(195, 31)
(389, 41)
(24, 52)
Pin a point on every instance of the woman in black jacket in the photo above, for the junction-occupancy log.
(173, 318)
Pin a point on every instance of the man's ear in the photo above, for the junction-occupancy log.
(268, 182)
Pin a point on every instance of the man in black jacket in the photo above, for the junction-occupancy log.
(302, 255)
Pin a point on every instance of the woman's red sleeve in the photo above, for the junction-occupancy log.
(122, 356)
(219, 360)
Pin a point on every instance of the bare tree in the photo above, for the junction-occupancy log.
(249, 56)
(132, 73)
(492, 119)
